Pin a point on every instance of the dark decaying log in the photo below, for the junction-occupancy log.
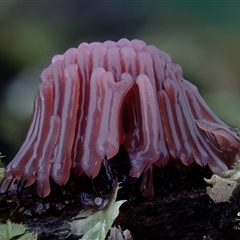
(181, 209)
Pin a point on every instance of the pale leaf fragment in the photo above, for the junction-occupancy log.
(29, 236)
(97, 225)
(221, 189)
(11, 230)
(233, 174)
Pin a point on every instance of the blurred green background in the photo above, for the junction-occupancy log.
(203, 37)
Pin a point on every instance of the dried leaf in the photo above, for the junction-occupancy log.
(222, 188)
(233, 174)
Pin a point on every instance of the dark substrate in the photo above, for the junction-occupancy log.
(180, 209)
